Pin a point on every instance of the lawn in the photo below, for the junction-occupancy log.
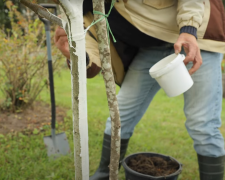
(161, 130)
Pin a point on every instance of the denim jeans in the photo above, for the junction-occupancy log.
(203, 101)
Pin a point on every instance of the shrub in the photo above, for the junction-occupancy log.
(23, 60)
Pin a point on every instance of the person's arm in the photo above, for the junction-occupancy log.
(61, 41)
(92, 52)
(189, 19)
(190, 13)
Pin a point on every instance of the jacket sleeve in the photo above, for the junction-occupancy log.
(94, 63)
(190, 13)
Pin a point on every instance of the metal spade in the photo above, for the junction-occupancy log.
(56, 144)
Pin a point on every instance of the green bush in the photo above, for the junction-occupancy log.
(23, 60)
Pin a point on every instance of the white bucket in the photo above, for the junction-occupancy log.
(172, 75)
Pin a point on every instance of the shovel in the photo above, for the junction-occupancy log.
(56, 144)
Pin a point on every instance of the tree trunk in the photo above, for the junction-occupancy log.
(104, 50)
(75, 32)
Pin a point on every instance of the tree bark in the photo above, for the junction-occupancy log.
(42, 12)
(105, 56)
(75, 32)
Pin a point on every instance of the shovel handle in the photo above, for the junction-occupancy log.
(45, 21)
(51, 79)
(52, 93)
(50, 68)
(50, 6)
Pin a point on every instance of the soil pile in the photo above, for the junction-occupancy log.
(154, 166)
(34, 117)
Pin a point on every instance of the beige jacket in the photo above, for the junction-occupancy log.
(162, 19)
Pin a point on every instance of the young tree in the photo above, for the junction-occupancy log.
(75, 32)
(104, 50)
(76, 37)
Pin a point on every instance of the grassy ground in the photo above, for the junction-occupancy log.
(161, 130)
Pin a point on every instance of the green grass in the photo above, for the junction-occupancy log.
(161, 130)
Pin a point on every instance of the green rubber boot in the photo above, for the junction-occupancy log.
(102, 173)
(211, 168)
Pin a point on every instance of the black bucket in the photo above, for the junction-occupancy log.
(133, 175)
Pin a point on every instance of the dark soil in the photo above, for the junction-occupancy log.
(154, 166)
(35, 117)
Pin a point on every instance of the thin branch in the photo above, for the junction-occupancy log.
(43, 12)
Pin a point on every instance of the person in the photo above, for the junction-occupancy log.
(146, 32)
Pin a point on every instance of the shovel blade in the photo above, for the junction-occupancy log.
(57, 146)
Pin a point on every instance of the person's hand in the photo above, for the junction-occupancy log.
(191, 49)
(61, 42)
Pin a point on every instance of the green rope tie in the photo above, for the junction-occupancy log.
(104, 16)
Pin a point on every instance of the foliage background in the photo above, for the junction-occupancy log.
(23, 59)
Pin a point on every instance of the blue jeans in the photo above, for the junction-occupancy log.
(203, 102)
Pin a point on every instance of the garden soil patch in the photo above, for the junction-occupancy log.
(35, 117)
(154, 166)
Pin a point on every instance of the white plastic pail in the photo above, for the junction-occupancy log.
(172, 75)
